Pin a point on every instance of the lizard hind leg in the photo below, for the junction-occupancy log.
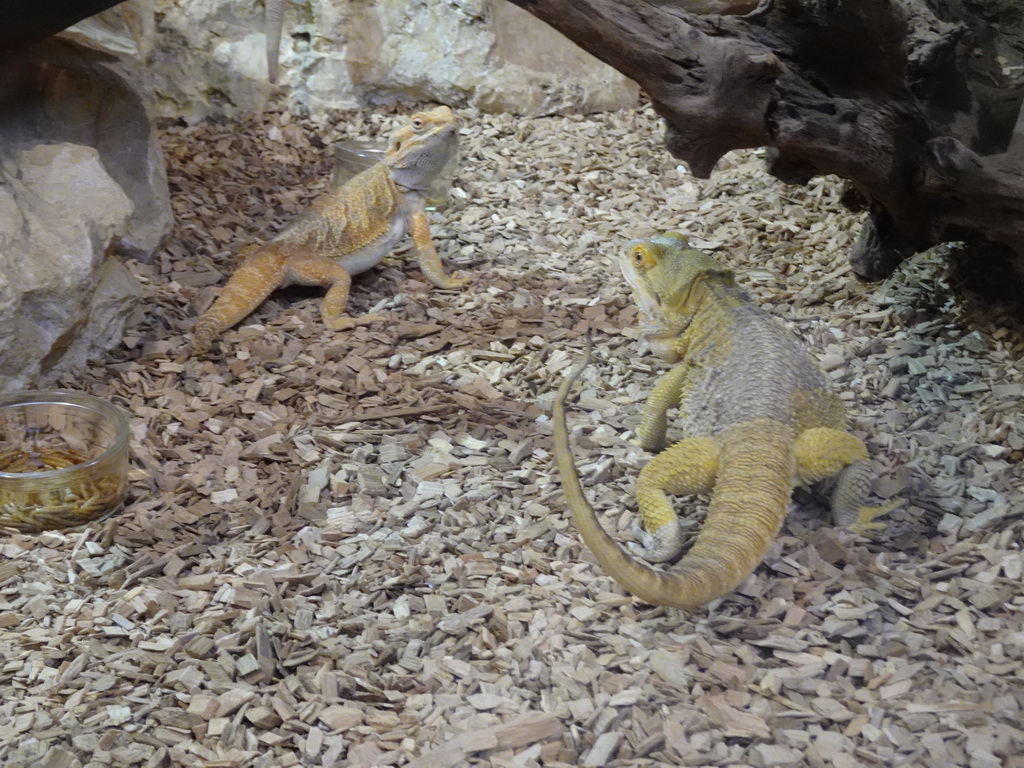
(318, 270)
(851, 489)
(840, 459)
(261, 271)
(687, 467)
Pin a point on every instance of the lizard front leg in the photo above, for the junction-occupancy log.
(319, 270)
(835, 456)
(666, 394)
(687, 467)
(429, 261)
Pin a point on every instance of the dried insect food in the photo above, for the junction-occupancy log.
(49, 502)
(63, 460)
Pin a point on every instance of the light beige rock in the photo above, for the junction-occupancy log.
(59, 213)
(58, 92)
(489, 54)
(109, 108)
(82, 183)
(128, 30)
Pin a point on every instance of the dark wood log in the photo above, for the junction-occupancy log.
(26, 21)
(904, 98)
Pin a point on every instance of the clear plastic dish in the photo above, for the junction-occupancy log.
(63, 459)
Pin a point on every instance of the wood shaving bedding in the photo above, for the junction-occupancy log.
(351, 549)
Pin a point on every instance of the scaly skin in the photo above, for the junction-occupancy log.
(758, 418)
(347, 231)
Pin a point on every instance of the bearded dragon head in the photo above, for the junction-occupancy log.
(424, 147)
(662, 273)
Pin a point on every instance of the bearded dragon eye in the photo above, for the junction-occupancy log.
(417, 123)
(638, 257)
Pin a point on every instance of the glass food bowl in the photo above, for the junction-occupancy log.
(356, 155)
(63, 459)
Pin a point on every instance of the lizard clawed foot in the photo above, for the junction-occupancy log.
(345, 323)
(663, 545)
(866, 517)
(455, 280)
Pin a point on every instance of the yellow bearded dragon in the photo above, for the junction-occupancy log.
(347, 231)
(758, 418)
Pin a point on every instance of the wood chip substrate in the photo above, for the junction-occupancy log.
(351, 549)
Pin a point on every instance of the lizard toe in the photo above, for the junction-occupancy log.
(661, 546)
(866, 517)
(346, 323)
(455, 280)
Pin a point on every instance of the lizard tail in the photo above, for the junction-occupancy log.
(273, 17)
(252, 282)
(748, 506)
(747, 509)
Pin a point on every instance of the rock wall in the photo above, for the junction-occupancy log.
(210, 58)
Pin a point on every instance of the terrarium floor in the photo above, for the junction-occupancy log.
(351, 549)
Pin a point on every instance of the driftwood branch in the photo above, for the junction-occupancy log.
(889, 94)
